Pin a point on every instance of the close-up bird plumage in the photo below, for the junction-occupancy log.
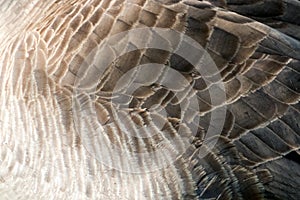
(149, 99)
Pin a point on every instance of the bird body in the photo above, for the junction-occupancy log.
(149, 99)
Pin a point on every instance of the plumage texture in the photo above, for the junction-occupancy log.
(255, 47)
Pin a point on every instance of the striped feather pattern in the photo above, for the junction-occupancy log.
(50, 143)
